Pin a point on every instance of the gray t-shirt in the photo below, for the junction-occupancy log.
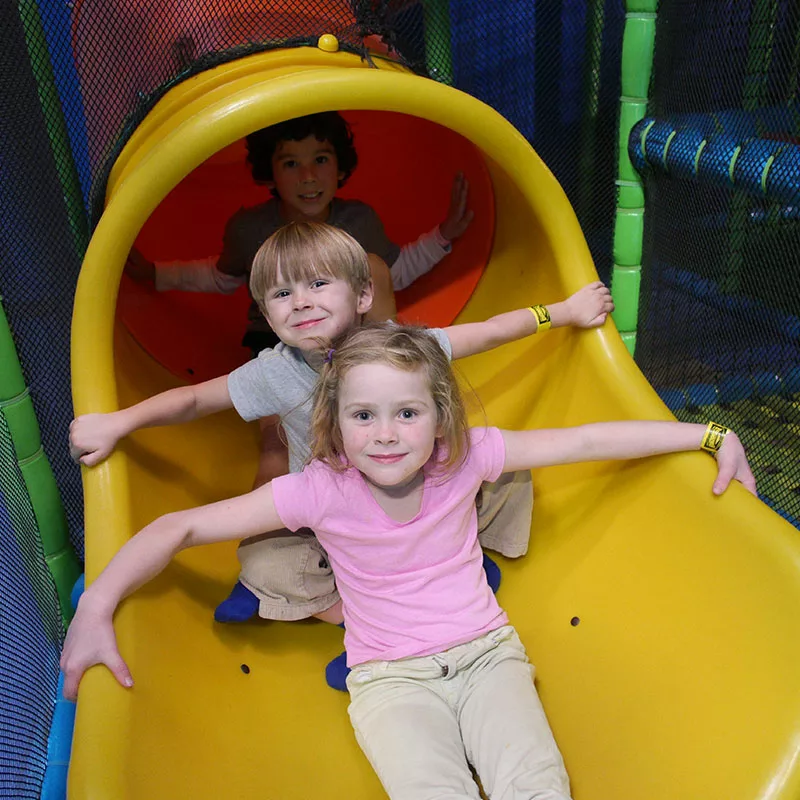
(249, 228)
(280, 381)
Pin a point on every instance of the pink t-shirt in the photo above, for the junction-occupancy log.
(408, 588)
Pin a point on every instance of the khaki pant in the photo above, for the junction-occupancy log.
(422, 721)
(290, 574)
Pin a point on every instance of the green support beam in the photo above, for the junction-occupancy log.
(638, 44)
(17, 409)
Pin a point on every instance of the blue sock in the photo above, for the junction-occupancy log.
(337, 671)
(492, 573)
(240, 606)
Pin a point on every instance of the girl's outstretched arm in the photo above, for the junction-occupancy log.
(607, 441)
(90, 638)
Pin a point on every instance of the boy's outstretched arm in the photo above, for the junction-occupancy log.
(93, 437)
(606, 441)
(587, 308)
(90, 637)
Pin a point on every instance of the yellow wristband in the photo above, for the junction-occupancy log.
(714, 437)
(542, 317)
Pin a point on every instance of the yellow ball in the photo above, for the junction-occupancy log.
(328, 43)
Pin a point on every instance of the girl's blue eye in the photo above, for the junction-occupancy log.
(363, 416)
(281, 293)
(408, 413)
(316, 284)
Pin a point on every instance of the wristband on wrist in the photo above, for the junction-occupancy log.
(542, 317)
(714, 437)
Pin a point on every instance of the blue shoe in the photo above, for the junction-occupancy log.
(492, 571)
(337, 671)
(240, 606)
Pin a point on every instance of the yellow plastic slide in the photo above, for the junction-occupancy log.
(664, 623)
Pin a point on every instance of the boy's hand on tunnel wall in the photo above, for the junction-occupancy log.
(93, 437)
(590, 306)
(139, 269)
(458, 216)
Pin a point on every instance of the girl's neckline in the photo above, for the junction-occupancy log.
(387, 516)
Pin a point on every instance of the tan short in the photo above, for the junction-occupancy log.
(505, 508)
(292, 578)
(289, 573)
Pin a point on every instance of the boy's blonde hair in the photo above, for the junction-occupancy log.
(302, 251)
(404, 347)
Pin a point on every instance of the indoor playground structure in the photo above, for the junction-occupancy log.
(654, 144)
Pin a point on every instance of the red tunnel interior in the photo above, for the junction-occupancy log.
(406, 167)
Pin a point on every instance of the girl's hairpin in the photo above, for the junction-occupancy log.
(329, 356)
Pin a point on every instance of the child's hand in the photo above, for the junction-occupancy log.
(732, 465)
(458, 217)
(589, 307)
(91, 640)
(139, 268)
(93, 437)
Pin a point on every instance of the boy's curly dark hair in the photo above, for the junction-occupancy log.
(328, 126)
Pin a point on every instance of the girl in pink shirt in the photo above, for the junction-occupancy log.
(439, 678)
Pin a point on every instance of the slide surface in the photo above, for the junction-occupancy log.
(662, 621)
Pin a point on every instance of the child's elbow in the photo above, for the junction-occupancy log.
(174, 527)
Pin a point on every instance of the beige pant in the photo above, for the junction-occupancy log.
(422, 721)
(291, 576)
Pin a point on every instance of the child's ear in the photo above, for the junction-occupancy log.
(340, 177)
(365, 299)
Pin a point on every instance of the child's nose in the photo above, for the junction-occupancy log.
(386, 433)
(301, 299)
(307, 174)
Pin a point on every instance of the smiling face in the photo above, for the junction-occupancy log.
(303, 311)
(306, 176)
(388, 422)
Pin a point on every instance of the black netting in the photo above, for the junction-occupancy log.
(30, 636)
(719, 325)
(40, 250)
(553, 70)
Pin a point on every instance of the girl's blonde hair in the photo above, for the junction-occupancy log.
(302, 251)
(404, 347)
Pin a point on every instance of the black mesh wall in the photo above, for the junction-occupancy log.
(719, 326)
